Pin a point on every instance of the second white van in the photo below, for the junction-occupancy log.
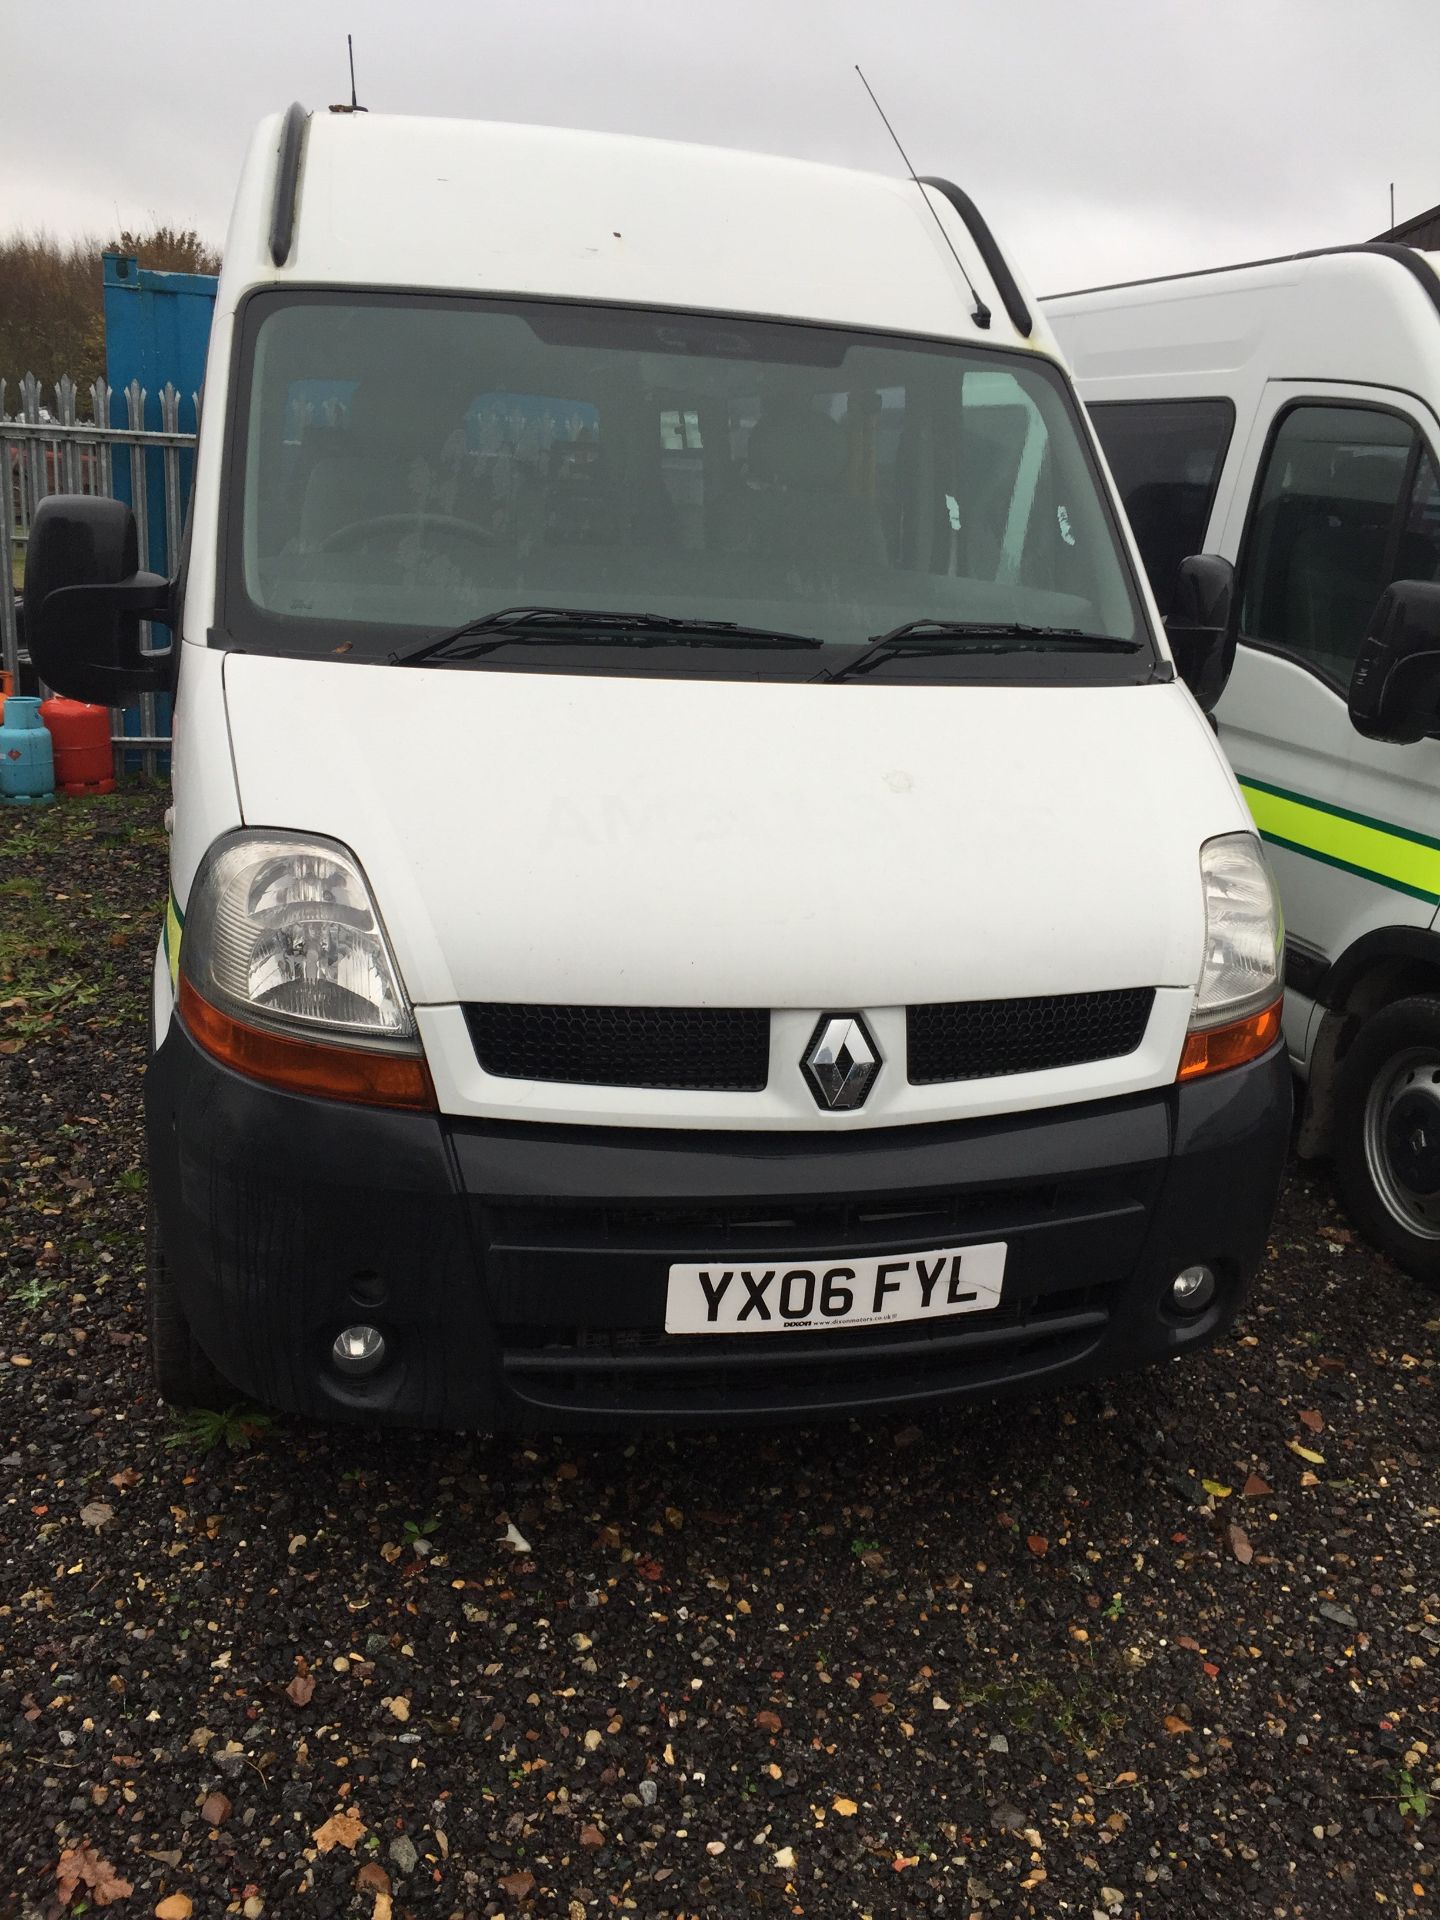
(1285, 417)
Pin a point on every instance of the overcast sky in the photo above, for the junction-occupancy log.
(1103, 138)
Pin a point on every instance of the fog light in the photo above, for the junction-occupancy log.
(1192, 1288)
(358, 1349)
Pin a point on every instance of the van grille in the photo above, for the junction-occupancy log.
(722, 1049)
(980, 1039)
(727, 1049)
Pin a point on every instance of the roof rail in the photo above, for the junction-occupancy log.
(1404, 256)
(287, 180)
(996, 264)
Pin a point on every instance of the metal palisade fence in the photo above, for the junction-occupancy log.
(47, 449)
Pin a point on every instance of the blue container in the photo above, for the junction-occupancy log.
(27, 757)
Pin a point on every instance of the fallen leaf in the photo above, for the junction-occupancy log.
(514, 1538)
(1216, 1490)
(648, 1569)
(1240, 1545)
(1174, 1724)
(372, 1878)
(97, 1514)
(127, 1477)
(301, 1689)
(1037, 1543)
(845, 1808)
(1306, 1453)
(1312, 1421)
(340, 1830)
(1254, 1487)
(215, 1809)
(517, 1885)
(82, 1867)
(768, 1719)
(591, 1836)
(175, 1906)
(1184, 1640)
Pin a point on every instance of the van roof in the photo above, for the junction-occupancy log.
(1364, 313)
(1429, 265)
(391, 201)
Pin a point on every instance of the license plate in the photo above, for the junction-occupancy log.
(871, 1291)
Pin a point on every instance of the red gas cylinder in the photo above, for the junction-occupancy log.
(84, 759)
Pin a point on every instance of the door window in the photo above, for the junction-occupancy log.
(1166, 456)
(1347, 503)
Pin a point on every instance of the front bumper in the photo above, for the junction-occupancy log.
(518, 1271)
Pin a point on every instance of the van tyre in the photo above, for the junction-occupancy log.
(1387, 1134)
(183, 1374)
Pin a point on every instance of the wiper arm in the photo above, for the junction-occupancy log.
(596, 625)
(941, 636)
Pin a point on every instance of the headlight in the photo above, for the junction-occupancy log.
(282, 931)
(286, 974)
(1236, 1016)
(1243, 933)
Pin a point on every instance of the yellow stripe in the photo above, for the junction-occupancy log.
(1391, 858)
(172, 940)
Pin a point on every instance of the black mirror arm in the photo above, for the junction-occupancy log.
(145, 596)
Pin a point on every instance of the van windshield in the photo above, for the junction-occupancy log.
(414, 462)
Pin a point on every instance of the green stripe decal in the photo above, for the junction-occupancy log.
(1391, 856)
(174, 922)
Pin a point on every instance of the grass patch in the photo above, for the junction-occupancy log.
(32, 1292)
(200, 1430)
(66, 948)
(1078, 1713)
(1410, 1796)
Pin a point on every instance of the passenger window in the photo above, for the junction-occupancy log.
(1419, 555)
(1166, 456)
(1332, 526)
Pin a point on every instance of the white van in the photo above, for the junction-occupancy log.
(1286, 416)
(696, 890)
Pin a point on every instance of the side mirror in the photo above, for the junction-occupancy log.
(1198, 626)
(85, 597)
(1395, 688)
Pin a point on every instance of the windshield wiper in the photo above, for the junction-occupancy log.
(593, 625)
(941, 636)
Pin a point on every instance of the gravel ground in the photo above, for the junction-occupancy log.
(1163, 1648)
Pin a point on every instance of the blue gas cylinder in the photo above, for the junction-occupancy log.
(27, 756)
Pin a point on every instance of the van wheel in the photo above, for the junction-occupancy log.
(183, 1374)
(1387, 1134)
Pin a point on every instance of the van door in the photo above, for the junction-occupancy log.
(1337, 497)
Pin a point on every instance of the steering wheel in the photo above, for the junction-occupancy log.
(355, 531)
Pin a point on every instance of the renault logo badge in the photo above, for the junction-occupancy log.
(841, 1062)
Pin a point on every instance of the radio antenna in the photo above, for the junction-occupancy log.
(355, 106)
(981, 315)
